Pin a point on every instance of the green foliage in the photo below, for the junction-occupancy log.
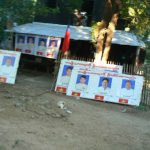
(143, 107)
(21, 11)
(137, 12)
(148, 52)
(96, 27)
(69, 5)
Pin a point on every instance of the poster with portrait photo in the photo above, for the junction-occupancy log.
(41, 46)
(12, 57)
(64, 79)
(131, 90)
(104, 86)
(101, 86)
(127, 88)
(83, 65)
(30, 45)
(7, 66)
(53, 48)
(20, 43)
(82, 83)
(79, 84)
(9, 62)
(121, 88)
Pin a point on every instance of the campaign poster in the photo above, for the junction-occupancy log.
(9, 62)
(79, 85)
(53, 48)
(104, 86)
(20, 42)
(130, 89)
(119, 88)
(63, 80)
(80, 88)
(30, 44)
(41, 47)
(65, 72)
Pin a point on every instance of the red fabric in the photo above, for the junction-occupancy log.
(66, 42)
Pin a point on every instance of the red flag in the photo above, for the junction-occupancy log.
(66, 42)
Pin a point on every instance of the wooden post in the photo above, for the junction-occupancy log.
(137, 57)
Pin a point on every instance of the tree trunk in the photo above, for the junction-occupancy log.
(106, 32)
(100, 42)
(110, 33)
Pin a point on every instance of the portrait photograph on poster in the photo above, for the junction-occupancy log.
(20, 44)
(105, 85)
(42, 46)
(104, 88)
(53, 43)
(30, 45)
(79, 84)
(127, 88)
(8, 61)
(64, 78)
(66, 75)
(53, 48)
(82, 83)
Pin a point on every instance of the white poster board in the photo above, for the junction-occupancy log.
(67, 66)
(20, 42)
(42, 46)
(9, 62)
(105, 86)
(53, 47)
(65, 72)
(30, 42)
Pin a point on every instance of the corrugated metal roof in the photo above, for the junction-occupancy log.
(76, 33)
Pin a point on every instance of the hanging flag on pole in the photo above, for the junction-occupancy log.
(66, 42)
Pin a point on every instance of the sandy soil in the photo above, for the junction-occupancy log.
(30, 119)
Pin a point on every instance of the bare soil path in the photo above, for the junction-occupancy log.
(31, 120)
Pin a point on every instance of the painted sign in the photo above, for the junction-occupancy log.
(9, 62)
(67, 66)
(105, 86)
(42, 46)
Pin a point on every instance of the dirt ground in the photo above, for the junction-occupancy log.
(30, 119)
